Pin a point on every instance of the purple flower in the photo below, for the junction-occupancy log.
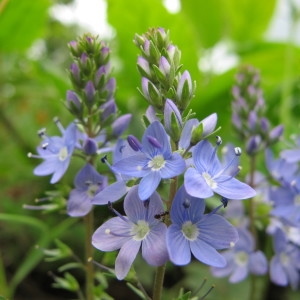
(118, 189)
(87, 183)
(210, 176)
(129, 233)
(56, 152)
(285, 264)
(194, 232)
(154, 160)
(242, 259)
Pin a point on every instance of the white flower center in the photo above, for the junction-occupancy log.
(63, 153)
(190, 231)
(140, 230)
(284, 259)
(241, 258)
(92, 190)
(297, 200)
(209, 180)
(157, 163)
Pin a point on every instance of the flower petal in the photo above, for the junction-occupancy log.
(217, 231)
(157, 131)
(154, 248)
(178, 246)
(258, 263)
(149, 184)
(277, 273)
(179, 212)
(79, 204)
(205, 158)
(135, 165)
(195, 185)
(126, 257)
(239, 274)
(112, 193)
(233, 189)
(207, 254)
(173, 167)
(102, 238)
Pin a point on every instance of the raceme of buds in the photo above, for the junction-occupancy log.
(159, 64)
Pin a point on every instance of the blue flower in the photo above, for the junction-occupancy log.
(119, 188)
(129, 233)
(194, 232)
(154, 160)
(56, 152)
(87, 183)
(210, 176)
(242, 259)
(285, 264)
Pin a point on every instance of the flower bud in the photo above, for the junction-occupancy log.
(276, 133)
(90, 93)
(75, 74)
(151, 93)
(73, 103)
(253, 145)
(121, 124)
(90, 146)
(172, 120)
(107, 109)
(73, 46)
(143, 67)
(184, 90)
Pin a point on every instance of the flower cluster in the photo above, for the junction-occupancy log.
(174, 144)
(97, 124)
(248, 116)
(167, 177)
(275, 215)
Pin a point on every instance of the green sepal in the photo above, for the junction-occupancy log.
(197, 133)
(68, 282)
(175, 128)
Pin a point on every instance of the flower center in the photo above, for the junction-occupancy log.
(63, 153)
(297, 200)
(92, 189)
(157, 163)
(190, 231)
(209, 180)
(241, 258)
(140, 230)
(284, 259)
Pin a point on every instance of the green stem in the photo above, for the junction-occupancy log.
(160, 271)
(89, 250)
(158, 282)
(252, 293)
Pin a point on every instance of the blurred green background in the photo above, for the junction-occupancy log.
(215, 37)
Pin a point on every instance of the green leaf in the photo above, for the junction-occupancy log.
(22, 22)
(206, 19)
(34, 256)
(246, 20)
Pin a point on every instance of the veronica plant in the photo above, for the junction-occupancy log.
(174, 148)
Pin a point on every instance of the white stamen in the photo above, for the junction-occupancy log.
(107, 231)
